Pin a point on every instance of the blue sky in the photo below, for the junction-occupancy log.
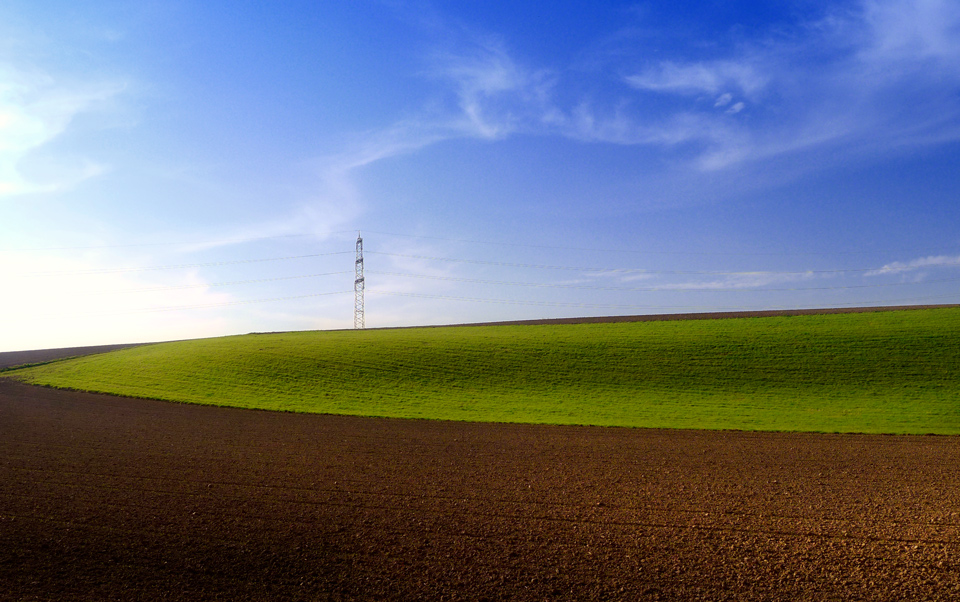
(183, 169)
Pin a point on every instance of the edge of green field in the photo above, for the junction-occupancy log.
(879, 372)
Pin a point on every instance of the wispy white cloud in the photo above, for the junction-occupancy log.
(880, 76)
(877, 77)
(496, 95)
(35, 108)
(327, 199)
(744, 280)
(911, 32)
(698, 78)
(901, 267)
(727, 281)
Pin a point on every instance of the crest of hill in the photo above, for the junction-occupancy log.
(862, 371)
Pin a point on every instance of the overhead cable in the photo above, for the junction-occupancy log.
(626, 270)
(211, 284)
(643, 307)
(181, 266)
(654, 289)
(210, 305)
(655, 252)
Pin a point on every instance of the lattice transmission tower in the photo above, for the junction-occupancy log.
(358, 320)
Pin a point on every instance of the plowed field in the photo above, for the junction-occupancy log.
(105, 498)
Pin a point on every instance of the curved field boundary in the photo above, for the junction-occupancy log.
(872, 372)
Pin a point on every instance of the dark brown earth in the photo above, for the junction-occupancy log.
(713, 315)
(9, 359)
(106, 498)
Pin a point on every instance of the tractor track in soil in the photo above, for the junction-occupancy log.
(109, 498)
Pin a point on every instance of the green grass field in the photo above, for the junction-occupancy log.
(884, 372)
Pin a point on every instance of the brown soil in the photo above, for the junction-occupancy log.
(713, 315)
(106, 498)
(10, 359)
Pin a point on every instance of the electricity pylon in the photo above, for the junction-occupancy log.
(358, 320)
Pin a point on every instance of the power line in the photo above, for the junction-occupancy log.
(657, 288)
(180, 266)
(205, 243)
(640, 271)
(594, 272)
(245, 302)
(211, 284)
(205, 305)
(507, 301)
(240, 241)
(584, 287)
(649, 252)
(637, 307)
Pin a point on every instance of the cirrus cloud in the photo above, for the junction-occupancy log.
(900, 267)
(36, 108)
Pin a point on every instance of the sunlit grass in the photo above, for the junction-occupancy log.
(885, 372)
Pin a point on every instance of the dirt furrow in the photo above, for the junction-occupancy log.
(110, 498)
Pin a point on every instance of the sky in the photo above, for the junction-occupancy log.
(185, 169)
